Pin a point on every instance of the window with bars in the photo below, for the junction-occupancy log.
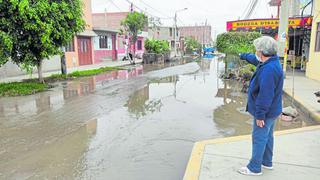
(103, 42)
(139, 45)
(317, 47)
(70, 46)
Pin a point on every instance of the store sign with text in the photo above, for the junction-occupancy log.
(267, 23)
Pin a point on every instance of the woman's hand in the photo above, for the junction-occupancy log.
(260, 123)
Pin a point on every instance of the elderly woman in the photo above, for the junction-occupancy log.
(264, 102)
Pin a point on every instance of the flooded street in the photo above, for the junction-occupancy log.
(123, 125)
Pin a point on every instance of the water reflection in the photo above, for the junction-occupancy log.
(228, 103)
(65, 91)
(47, 134)
(209, 56)
(50, 134)
(232, 119)
(142, 102)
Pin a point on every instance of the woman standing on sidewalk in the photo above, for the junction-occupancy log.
(264, 102)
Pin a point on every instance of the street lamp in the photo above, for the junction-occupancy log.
(175, 30)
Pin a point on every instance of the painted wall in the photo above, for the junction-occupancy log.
(103, 54)
(87, 13)
(162, 33)
(10, 69)
(313, 66)
(72, 57)
(121, 47)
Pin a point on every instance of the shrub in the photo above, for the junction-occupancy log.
(236, 42)
(192, 45)
(156, 46)
(21, 88)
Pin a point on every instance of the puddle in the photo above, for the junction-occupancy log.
(122, 124)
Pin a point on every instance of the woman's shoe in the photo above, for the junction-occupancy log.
(246, 171)
(267, 167)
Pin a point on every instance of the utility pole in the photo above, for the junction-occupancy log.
(283, 32)
(175, 30)
(203, 27)
(204, 36)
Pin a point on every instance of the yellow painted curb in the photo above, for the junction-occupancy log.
(193, 168)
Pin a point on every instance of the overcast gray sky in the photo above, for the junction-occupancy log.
(215, 11)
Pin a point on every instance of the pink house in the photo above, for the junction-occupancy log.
(113, 21)
(104, 44)
(122, 43)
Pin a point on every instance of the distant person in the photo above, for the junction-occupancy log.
(264, 102)
(131, 58)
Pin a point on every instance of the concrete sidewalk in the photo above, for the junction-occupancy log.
(304, 98)
(70, 70)
(296, 156)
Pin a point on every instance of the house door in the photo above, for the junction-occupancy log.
(84, 50)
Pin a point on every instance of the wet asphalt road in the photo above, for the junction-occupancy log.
(121, 125)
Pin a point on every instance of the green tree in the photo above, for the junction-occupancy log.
(133, 24)
(192, 45)
(32, 30)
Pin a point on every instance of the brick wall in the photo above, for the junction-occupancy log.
(109, 20)
(200, 33)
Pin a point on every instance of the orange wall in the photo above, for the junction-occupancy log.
(72, 57)
(87, 12)
(88, 18)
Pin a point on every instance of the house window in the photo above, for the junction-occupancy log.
(103, 42)
(317, 48)
(139, 45)
(170, 29)
(70, 46)
(172, 44)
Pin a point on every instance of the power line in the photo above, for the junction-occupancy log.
(254, 10)
(251, 9)
(245, 11)
(115, 5)
(154, 9)
(146, 11)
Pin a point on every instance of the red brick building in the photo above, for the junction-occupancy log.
(200, 33)
(109, 20)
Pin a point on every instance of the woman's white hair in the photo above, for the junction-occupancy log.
(267, 45)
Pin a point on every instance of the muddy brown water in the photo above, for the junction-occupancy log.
(121, 125)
